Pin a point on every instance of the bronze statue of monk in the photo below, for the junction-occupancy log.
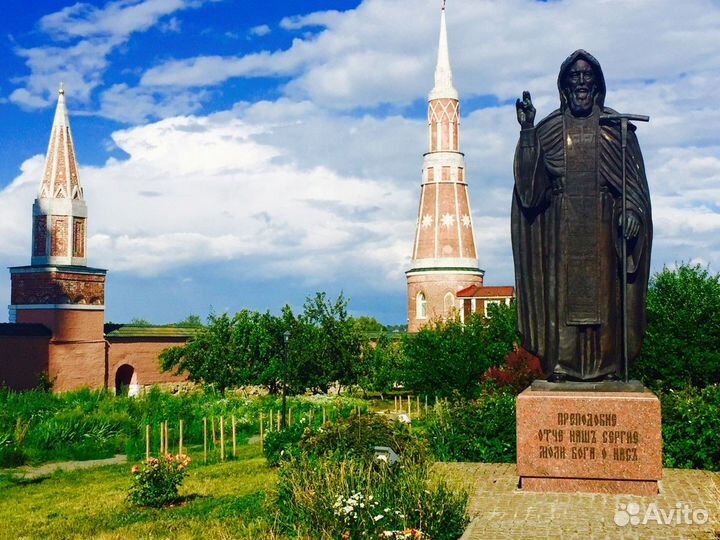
(567, 231)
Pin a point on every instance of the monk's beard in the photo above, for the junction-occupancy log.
(581, 101)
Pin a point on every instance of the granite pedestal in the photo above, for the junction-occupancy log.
(589, 440)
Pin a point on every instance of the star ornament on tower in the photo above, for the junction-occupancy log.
(448, 220)
(466, 221)
(426, 221)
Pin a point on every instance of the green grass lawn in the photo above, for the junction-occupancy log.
(226, 500)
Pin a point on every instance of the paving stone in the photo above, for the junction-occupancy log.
(499, 510)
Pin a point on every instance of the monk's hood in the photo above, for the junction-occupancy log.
(599, 77)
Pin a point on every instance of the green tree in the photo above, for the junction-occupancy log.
(325, 347)
(229, 352)
(381, 365)
(367, 325)
(191, 321)
(447, 358)
(682, 340)
(137, 321)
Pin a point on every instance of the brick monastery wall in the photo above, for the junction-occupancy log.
(22, 359)
(142, 354)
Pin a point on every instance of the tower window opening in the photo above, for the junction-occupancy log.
(421, 308)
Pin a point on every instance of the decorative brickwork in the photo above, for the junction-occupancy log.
(78, 237)
(59, 237)
(46, 187)
(57, 288)
(40, 236)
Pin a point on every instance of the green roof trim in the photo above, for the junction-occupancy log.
(153, 331)
(446, 269)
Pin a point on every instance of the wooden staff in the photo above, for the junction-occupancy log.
(222, 440)
(271, 421)
(162, 448)
(205, 439)
(212, 425)
(261, 432)
(234, 439)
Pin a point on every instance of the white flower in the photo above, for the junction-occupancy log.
(378, 517)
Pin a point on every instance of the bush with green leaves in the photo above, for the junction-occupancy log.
(682, 340)
(156, 481)
(447, 358)
(359, 434)
(325, 498)
(279, 445)
(479, 430)
(691, 428)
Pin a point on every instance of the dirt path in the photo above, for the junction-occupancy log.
(27, 472)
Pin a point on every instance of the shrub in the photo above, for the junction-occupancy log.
(520, 370)
(691, 428)
(447, 358)
(479, 430)
(358, 435)
(156, 482)
(682, 340)
(358, 498)
(280, 444)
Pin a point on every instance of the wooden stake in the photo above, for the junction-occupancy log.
(277, 416)
(289, 421)
(417, 402)
(180, 445)
(162, 433)
(167, 438)
(261, 432)
(426, 405)
(271, 421)
(212, 425)
(324, 415)
(205, 439)
(234, 439)
(147, 442)
(222, 440)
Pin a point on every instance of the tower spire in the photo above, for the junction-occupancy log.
(59, 212)
(443, 74)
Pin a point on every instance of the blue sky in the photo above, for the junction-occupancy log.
(242, 154)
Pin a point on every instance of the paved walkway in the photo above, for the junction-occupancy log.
(27, 472)
(499, 511)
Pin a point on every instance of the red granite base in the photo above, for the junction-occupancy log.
(590, 485)
(605, 442)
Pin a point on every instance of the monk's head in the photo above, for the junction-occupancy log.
(580, 87)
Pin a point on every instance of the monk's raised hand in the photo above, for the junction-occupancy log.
(525, 111)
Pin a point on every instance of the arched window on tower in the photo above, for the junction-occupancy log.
(448, 304)
(421, 306)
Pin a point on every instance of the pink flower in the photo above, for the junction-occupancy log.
(135, 469)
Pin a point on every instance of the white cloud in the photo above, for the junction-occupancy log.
(97, 31)
(304, 184)
(260, 30)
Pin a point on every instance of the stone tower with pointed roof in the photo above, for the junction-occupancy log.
(444, 258)
(58, 289)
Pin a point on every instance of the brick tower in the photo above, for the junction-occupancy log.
(58, 289)
(444, 258)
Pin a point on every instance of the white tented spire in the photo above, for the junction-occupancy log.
(443, 74)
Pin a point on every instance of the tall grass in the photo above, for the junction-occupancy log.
(89, 424)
